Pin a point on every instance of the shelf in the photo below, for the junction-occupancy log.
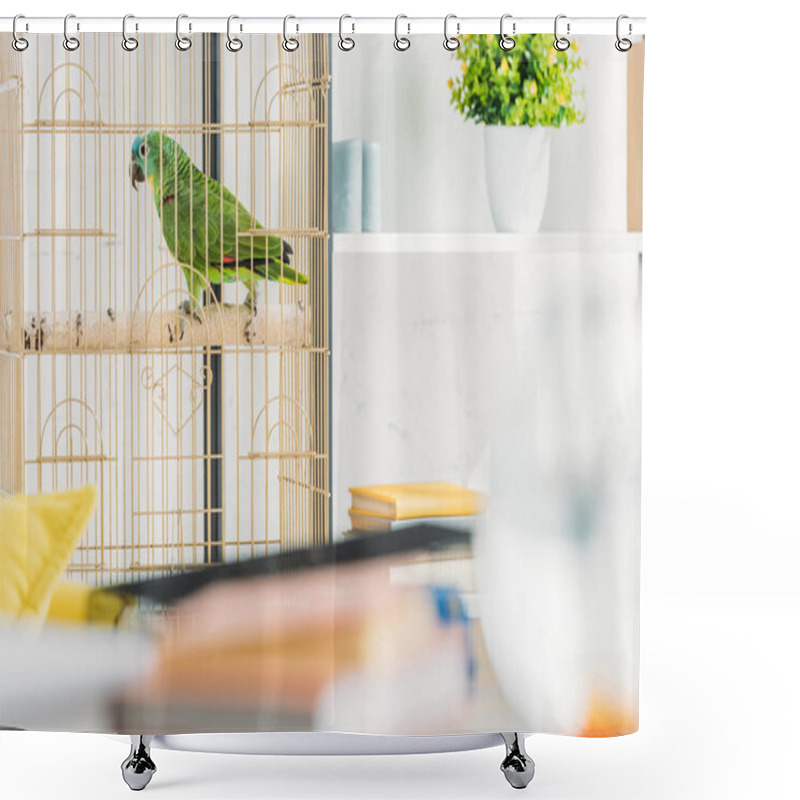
(486, 243)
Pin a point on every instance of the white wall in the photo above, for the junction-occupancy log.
(433, 165)
(424, 344)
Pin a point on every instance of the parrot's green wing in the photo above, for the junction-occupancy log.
(225, 237)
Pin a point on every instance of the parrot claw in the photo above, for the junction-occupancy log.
(174, 334)
(250, 304)
(188, 309)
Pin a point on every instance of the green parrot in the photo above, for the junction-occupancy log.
(204, 225)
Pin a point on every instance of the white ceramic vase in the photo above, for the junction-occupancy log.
(517, 161)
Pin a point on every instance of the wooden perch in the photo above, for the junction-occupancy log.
(275, 326)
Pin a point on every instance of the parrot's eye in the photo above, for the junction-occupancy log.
(142, 149)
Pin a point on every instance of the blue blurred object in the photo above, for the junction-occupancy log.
(450, 610)
(371, 188)
(346, 174)
(449, 606)
(581, 509)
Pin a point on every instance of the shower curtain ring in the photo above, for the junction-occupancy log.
(346, 43)
(129, 43)
(234, 43)
(561, 43)
(623, 45)
(506, 42)
(290, 43)
(70, 42)
(401, 43)
(182, 42)
(18, 42)
(451, 42)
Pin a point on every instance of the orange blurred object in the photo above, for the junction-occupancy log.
(608, 718)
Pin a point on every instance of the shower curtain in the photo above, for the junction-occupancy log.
(320, 383)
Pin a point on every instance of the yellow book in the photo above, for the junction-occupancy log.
(369, 522)
(412, 500)
(372, 523)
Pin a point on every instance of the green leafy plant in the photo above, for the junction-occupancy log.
(533, 84)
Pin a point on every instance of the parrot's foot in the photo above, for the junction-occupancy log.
(189, 309)
(517, 766)
(250, 303)
(301, 306)
(176, 333)
(138, 768)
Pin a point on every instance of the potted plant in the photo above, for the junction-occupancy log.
(519, 96)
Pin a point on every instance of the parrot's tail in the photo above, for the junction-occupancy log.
(283, 273)
(269, 268)
(263, 268)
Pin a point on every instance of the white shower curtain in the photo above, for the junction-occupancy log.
(336, 352)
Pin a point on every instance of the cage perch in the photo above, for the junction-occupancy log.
(284, 326)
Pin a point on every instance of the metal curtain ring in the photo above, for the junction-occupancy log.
(182, 42)
(401, 43)
(233, 43)
(623, 45)
(70, 42)
(290, 43)
(506, 42)
(18, 42)
(451, 42)
(346, 43)
(561, 43)
(129, 43)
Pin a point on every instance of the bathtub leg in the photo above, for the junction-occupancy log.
(517, 766)
(138, 768)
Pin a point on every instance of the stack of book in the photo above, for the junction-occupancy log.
(391, 507)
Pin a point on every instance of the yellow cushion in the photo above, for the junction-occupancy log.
(69, 603)
(78, 603)
(37, 537)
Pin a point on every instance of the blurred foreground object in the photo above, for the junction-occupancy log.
(64, 678)
(317, 639)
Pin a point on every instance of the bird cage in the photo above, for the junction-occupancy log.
(202, 421)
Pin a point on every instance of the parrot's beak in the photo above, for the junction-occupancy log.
(136, 173)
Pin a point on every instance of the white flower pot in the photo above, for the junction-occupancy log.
(517, 171)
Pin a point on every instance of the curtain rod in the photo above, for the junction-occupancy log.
(633, 26)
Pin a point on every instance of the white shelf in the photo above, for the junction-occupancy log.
(487, 243)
